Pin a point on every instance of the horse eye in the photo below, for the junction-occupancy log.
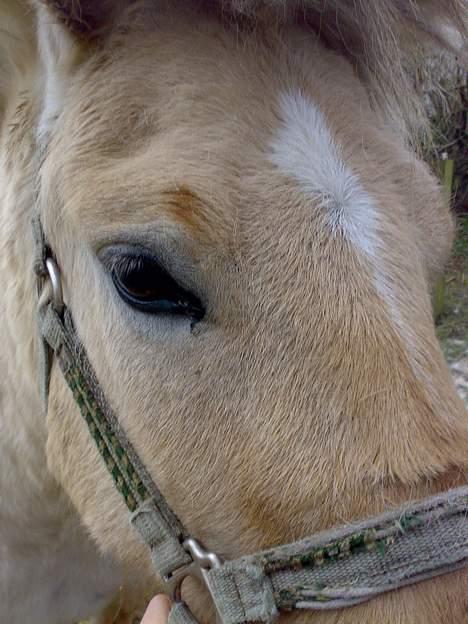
(145, 285)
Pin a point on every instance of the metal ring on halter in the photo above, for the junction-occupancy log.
(55, 280)
(202, 562)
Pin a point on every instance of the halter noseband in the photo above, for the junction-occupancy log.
(330, 570)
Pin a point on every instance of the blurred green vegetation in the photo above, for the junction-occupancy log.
(451, 297)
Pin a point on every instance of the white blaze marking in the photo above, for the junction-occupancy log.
(304, 149)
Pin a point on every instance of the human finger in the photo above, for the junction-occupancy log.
(158, 610)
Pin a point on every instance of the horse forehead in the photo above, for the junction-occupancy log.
(305, 149)
(213, 151)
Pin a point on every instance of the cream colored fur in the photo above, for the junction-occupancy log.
(298, 402)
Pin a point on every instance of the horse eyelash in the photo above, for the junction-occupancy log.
(125, 265)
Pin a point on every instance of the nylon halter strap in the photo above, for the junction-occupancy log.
(330, 570)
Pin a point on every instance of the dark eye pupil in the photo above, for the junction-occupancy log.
(144, 284)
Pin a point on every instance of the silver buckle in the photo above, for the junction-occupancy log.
(55, 280)
(53, 274)
(202, 562)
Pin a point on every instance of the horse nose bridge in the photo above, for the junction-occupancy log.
(285, 347)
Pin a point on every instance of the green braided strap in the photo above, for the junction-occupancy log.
(347, 566)
(156, 523)
(126, 479)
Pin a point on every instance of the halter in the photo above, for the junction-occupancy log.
(334, 569)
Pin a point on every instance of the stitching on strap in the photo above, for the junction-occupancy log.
(130, 477)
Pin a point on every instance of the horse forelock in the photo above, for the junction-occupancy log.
(384, 39)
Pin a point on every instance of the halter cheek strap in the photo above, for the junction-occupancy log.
(330, 570)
